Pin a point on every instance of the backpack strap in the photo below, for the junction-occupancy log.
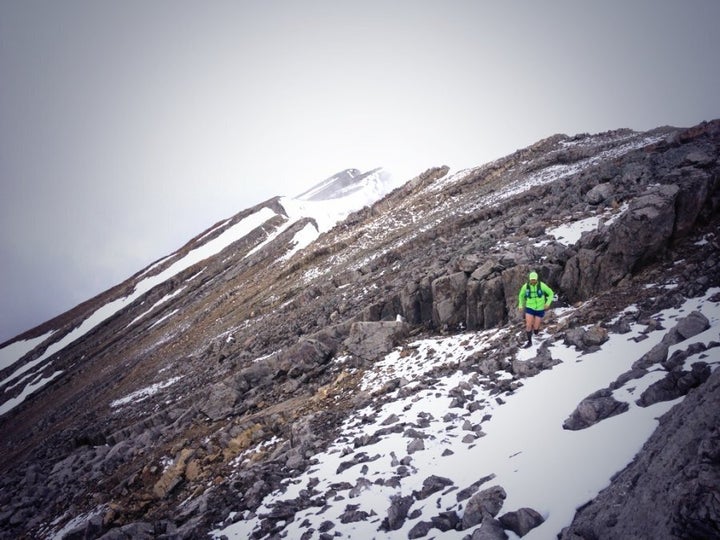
(538, 291)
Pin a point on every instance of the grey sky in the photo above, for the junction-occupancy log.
(128, 127)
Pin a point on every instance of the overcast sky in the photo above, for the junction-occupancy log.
(128, 127)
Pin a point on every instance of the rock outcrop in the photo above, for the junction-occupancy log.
(670, 489)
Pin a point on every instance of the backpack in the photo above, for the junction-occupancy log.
(539, 292)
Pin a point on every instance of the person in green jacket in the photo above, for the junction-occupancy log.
(534, 298)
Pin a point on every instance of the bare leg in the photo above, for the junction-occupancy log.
(536, 323)
(529, 321)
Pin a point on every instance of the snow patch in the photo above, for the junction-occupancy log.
(144, 393)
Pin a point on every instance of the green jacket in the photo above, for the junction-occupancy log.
(534, 299)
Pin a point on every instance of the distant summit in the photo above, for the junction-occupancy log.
(374, 184)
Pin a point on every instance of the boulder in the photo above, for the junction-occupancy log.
(593, 409)
(446, 521)
(372, 340)
(674, 385)
(398, 511)
(489, 529)
(579, 280)
(595, 336)
(485, 270)
(521, 521)
(420, 529)
(656, 355)
(432, 484)
(485, 303)
(486, 502)
(599, 194)
(220, 402)
(692, 325)
(529, 368)
(415, 446)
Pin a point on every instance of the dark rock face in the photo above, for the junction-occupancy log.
(267, 356)
(521, 521)
(670, 489)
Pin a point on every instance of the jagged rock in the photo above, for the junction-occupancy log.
(173, 475)
(599, 194)
(595, 336)
(529, 368)
(697, 186)
(415, 445)
(640, 233)
(484, 503)
(656, 355)
(420, 529)
(398, 511)
(692, 325)
(485, 270)
(678, 358)
(432, 484)
(674, 385)
(586, 340)
(220, 402)
(574, 282)
(621, 326)
(687, 327)
(487, 365)
(633, 240)
(352, 514)
(521, 521)
(143, 530)
(390, 420)
(446, 521)
(472, 488)
(92, 528)
(635, 373)
(574, 336)
(594, 408)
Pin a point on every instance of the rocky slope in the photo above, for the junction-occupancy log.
(178, 401)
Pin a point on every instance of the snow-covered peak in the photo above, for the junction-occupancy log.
(335, 198)
(369, 186)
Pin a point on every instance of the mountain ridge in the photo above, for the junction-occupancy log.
(267, 346)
